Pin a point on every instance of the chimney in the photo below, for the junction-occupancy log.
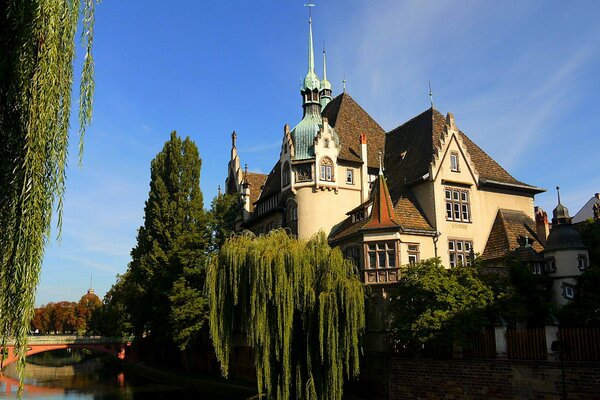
(542, 229)
(364, 175)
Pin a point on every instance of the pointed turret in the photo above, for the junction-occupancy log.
(382, 214)
(326, 92)
(304, 133)
(311, 80)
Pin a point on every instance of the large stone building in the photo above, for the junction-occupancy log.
(421, 190)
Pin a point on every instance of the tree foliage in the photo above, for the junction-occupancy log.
(225, 213)
(37, 38)
(300, 307)
(113, 318)
(66, 317)
(433, 303)
(171, 249)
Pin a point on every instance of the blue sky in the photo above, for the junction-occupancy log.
(521, 78)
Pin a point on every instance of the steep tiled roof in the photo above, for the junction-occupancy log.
(408, 212)
(508, 235)
(272, 183)
(256, 182)
(349, 121)
(410, 148)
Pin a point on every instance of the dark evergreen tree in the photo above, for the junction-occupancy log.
(171, 248)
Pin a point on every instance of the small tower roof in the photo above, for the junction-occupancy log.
(382, 214)
(325, 84)
(561, 213)
(563, 236)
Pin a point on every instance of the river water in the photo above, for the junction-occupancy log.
(77, 376)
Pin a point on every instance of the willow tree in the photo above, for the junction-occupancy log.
(37, 42)
(300, 307)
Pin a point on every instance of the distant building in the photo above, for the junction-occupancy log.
(591, 209)
(421, 190)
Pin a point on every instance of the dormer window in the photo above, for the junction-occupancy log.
(454, 162)
(357, 216)
(326, 169)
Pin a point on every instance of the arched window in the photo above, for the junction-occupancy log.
(285, 175)
(326, 168)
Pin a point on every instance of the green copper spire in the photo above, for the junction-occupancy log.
(326, 96)
(325, 84)
(311, 81)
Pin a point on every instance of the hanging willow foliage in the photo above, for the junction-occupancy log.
(298, 304)
(37, 42)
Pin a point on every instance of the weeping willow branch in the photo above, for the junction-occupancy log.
(299, 305)
(37, 38)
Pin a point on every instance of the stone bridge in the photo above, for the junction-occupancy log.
(116, 346)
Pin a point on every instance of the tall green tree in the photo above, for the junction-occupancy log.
(171, 249)
(300, 307)
(37, 42)
(436, 304)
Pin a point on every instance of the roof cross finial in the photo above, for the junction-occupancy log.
(380, 155)
(310, 5)
(430, 95)
(344, 82)
(558, 193)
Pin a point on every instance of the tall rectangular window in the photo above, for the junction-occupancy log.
(413, 253)
(459, 252)
(457, 205)
(350, 176)
(326, 173)
(454, 162)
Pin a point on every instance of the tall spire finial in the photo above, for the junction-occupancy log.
(344, 82)
(233, 139)
(430, 95)
(219, 191)
(380, 155)
(311, 56)
(324, 63)
(558, 193)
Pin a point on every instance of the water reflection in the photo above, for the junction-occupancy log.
(78, 375)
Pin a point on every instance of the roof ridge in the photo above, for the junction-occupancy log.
(412, 119)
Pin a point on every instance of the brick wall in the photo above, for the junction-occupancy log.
(491, 379)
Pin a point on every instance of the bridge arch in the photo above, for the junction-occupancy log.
(113, 346)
